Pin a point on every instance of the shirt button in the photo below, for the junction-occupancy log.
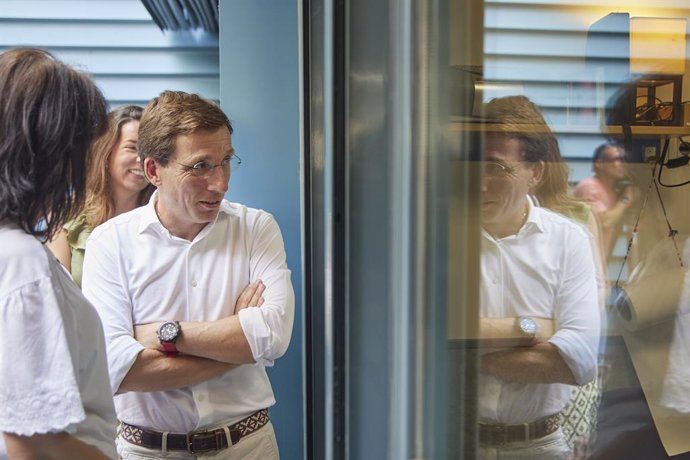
(200, 398)
(193, 283)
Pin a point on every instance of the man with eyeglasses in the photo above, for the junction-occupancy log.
(539, 315)
(194, 294)
(609, 192)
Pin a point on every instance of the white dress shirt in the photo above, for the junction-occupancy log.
(136, 272)
(545, 270)
(53, 371)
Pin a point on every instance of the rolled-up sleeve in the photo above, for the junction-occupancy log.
(104, 286)
(268, 328)
(577, 313)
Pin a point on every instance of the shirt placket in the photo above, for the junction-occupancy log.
(195, 304)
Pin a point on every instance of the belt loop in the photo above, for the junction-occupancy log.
(527, 434)
(164, 444)
(227, 434)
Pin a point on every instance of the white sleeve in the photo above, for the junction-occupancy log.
(268, 328)
(38, 388)
(106, 290)
(577, 312)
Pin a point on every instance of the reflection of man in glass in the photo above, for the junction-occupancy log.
(537, 269)
(609, 193)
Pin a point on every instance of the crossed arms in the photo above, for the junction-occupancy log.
(520, 359)
(207, 349)
(135, 282)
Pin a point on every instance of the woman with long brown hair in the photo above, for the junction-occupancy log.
(115, 184)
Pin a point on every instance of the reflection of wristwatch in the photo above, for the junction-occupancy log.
(529, 328)
(168, 333)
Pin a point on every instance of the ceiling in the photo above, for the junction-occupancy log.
(176, 15)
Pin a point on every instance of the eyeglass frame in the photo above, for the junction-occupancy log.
(198, 172)
(505, 170)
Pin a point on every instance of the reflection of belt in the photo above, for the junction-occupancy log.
(497, 434)
(196, 441)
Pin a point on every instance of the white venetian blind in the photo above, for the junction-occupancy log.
(130, 58)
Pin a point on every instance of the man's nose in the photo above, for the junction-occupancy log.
(218, 180)
(484, 182)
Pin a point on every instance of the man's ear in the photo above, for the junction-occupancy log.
(537, 172)
(152, 171)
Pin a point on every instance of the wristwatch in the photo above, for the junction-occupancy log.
(168, 333)
(528, 327)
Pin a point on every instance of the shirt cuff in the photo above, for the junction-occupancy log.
(258, 334)
(578, 352)
(122, 352)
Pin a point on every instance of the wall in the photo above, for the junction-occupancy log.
(115, 40)
(260, 92)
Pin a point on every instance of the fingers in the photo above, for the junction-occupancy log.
(257, 300)
(251, 296)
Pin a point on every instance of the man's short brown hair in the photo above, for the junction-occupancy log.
(173, 113)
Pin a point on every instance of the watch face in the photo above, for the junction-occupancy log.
(168, 331)
(528, 326)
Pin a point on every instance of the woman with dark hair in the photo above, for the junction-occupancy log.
(115, 184)
(54, 391)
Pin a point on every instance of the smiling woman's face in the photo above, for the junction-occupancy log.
(126, 174)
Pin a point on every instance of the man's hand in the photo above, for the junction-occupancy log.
(147, 334)
(251, 296)
(541, 363)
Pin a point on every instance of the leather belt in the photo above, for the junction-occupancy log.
(195, 441)
(498, 434)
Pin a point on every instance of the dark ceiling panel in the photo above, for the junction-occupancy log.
(177, 15)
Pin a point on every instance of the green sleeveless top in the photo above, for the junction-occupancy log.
(77, 234)
(580, 213)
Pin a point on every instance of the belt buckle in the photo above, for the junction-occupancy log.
(497, 435)
(202, 436)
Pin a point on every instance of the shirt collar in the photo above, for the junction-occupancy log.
(149, 217)
(533, 222)
(148, 214)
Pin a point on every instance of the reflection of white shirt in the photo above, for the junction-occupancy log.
(545, 270)
(136, 272)
(53, 374)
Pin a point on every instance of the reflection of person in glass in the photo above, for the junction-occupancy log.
(609, 192)
(537, 267)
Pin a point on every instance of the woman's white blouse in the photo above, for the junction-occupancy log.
(53, 373)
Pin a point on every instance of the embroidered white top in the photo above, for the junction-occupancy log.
(136, 272)
(53, 374)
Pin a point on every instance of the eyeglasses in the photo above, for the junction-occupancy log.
(204, 168)
(616, 159)
(493, 169)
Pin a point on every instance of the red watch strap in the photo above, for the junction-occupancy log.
(170, 348)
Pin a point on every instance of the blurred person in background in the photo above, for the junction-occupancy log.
(115, 184)
(609, 192)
